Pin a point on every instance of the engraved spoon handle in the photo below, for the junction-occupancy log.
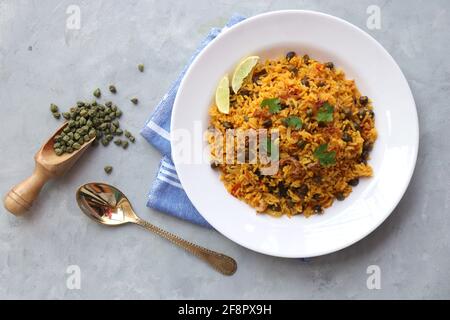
(222, 263)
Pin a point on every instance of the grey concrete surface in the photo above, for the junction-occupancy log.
(43, 62)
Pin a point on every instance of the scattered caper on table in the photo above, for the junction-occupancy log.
(129, 136)
(112, 89)
(54, 108)
(141, 67)
(55, 111)
(97, 93)
(108, 169)
(134, 100)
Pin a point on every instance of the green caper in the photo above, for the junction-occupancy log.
(141, 67)
(301, 144)
(54, 108)
(105, 142)
(112, 89)
(329, 65)
(134, 100)
(363, 100)
(56, 115)
(92, 133)
(108, 169)
(88, 121)
(127, 133)
(132, 139)
(97, 93)
(58, 151)
(118, 142)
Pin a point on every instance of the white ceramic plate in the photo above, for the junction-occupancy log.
(325, 38)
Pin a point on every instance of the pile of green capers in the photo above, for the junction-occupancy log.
(88, 120)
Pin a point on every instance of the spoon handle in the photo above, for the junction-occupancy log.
(222, 263)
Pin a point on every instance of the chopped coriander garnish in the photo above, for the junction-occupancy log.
(326, 158)
(293, 122)
(325, 113)
(273, 104)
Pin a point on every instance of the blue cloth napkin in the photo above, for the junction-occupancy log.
(166, 193)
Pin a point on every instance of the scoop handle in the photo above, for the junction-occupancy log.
(21, 197)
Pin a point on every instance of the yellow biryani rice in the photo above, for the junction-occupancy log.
(302, 184)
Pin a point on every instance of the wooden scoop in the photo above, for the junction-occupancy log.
(47, 166)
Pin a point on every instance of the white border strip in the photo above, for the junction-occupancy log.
(159, 130)
(168, 173)
(173, 183)
(168, 165)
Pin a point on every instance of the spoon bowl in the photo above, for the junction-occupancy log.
(107, 205)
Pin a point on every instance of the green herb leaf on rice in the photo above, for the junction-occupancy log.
(273, 104)
(326, 158)
(325, 113)
(293, 122)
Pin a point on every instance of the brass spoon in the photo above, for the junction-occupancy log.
(47, 166)
(108, 205)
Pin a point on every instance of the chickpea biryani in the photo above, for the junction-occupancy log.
(326, 133)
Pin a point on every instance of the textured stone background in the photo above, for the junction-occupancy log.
(42, 62)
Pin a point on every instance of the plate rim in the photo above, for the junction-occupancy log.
(415, 142)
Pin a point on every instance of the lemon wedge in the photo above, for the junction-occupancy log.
(242, 71)
(223, 95)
